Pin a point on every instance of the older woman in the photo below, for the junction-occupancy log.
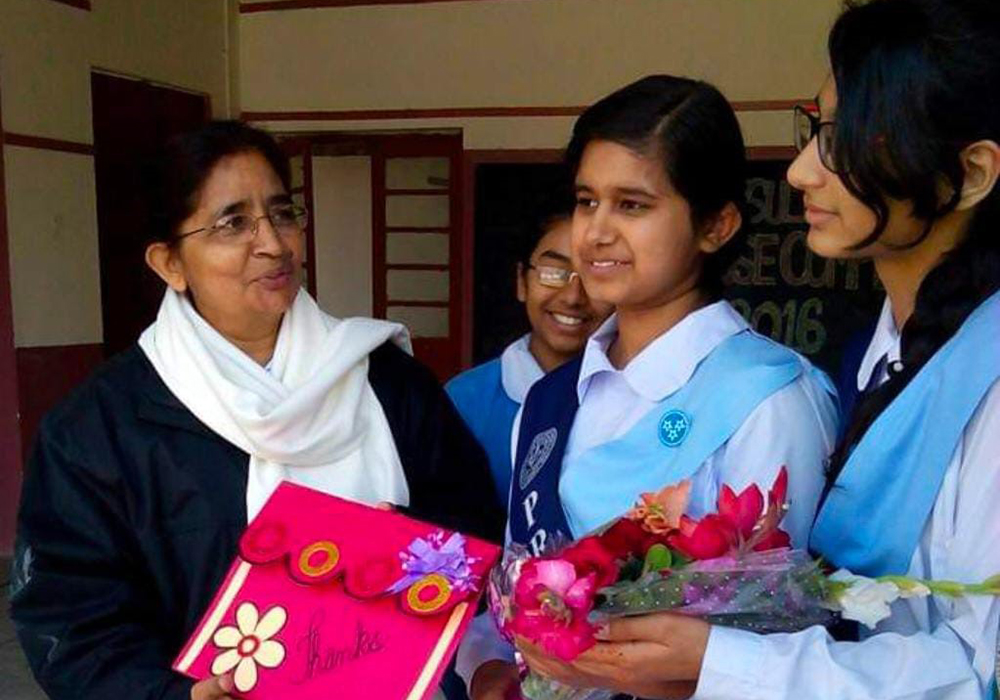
(141, 481)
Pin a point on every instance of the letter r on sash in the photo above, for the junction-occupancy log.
(529, 508)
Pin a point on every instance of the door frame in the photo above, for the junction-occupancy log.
(10, 434)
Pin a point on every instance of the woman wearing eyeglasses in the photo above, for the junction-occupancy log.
(561, 316)
(675, 385)
(899, 163)
(141, 481)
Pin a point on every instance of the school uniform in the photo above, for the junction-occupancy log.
(709, 400)
(918, 496)
(488, 398)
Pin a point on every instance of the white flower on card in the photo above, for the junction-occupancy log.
(249, 644)
(864, 600)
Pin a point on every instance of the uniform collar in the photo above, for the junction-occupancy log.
(666, 364)
(885, 343)
(519, 369)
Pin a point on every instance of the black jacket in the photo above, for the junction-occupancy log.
(132, 508)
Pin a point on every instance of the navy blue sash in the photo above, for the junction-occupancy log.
(536, 513)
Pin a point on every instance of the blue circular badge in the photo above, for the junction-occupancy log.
(674, 427)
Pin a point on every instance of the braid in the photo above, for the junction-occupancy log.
(964, 279)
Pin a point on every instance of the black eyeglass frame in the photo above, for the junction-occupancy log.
(816, 128)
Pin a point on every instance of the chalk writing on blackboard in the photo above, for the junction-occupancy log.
(782, 288)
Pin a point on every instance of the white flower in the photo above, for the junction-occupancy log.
(864, 600)
(249, 644)
(913, 589)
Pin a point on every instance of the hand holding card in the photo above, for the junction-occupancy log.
(330, 595)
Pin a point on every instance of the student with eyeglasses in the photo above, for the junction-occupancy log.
(899, 163)
(561, 317)
(141, 481)
(674, 385)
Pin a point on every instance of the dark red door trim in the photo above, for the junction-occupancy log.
(10, 441)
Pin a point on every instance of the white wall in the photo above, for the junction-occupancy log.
(47, 52)
(521, 53)
(343, 234)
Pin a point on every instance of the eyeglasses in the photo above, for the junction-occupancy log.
(555, 277)
(809, 126)
(286, 220)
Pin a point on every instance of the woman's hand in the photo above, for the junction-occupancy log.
(216, 688)
(494, 680)
(657, 655)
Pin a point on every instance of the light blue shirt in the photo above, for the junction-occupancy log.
(795, 427)
(930, 648)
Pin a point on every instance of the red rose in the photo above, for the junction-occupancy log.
(590, 556)
(709, 538)
(627, 537)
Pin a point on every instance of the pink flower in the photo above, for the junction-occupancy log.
(551, 602)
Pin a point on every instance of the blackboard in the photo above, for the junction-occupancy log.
(814, 305)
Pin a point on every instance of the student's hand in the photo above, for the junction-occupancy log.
(385, 505)
(657, 655)
(494, 680)
(216, 688)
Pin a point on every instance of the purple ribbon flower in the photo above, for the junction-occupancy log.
(435, 555)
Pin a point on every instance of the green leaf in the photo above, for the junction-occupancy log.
(658, 558)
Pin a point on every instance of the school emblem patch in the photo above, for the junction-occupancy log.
(674, 427)
(538, 454)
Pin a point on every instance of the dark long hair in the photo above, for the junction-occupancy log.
(917, 82)
(175, 176)
(691, 128)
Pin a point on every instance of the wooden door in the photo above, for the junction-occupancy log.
(132, 119)
(416, 247)
(299, 151)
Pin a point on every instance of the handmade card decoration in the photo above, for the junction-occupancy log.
(331, 598)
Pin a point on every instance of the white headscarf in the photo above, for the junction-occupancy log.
(311, 417)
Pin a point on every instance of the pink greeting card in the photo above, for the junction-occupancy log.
(331, 598)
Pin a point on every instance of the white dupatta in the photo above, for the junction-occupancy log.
(311, 417)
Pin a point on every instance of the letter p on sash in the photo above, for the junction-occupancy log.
(529, 503)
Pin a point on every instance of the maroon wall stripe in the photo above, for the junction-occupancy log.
(470, 112)
(47, 144)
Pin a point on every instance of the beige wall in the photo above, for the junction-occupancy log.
(47, 50)
(527, 53)
(343, 234)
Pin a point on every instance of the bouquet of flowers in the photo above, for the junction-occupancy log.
(734, 567)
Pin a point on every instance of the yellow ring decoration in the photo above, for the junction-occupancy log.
(421, 606)
(332, 558)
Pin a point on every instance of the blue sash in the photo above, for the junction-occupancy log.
(535, 514)
(668, 444)
(479, 396)
(873, 518)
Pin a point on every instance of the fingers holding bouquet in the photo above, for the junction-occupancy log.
(658, 579)
(650, 656)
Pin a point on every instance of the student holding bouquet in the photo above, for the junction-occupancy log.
(899, 164)
(674, 385)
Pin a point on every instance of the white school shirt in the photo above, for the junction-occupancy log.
(929, 649)
(796, 427)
